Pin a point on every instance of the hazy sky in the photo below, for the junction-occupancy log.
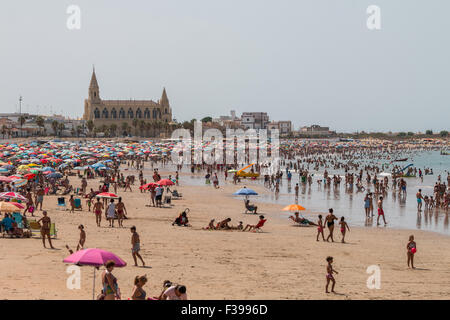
(309, 61)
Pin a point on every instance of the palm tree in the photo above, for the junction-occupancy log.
(61, 127)
(113, 129)
(125, 127)
(4, 131)
(135, 124)
(90, 126)
(55, 126)
(79, 130)
(141, 127)
(40, 122)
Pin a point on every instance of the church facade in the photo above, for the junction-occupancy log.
(107, 112)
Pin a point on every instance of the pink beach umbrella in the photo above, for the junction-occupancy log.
(94, 257)
(12, 195)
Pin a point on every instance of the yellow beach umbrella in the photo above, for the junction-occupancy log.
(8, 207)
(293, 207)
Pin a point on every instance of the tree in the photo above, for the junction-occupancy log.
(401, 134)
(61, 128)
(113, 129)
(141, 127)
(429, 132)
(79, 130)
(207, 119)
(135, 123)
(124, 128)
(410, 134)
(90, 126)
(55, 127)
(443, 133)
(40, 122)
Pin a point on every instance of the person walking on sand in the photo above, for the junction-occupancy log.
(330, 276)
(380, 211)
(136, 246)
(344, 228)
(411, 249)
(320, 228)
(98, 209)
(329, 219)
(82, 240)
(45, 228)
(110, 213)
(121, 210)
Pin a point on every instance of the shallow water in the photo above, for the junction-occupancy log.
(400, 212)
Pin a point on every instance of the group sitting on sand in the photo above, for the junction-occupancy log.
(224, 225)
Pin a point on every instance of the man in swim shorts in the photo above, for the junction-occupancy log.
(98, 208)
(135, 246)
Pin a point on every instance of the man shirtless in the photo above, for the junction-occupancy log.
(98, 208)
(121, 210)
(82, 237)
(45, 228)
(136, 246)
(29, 203)
(380, 211)
(419, 200)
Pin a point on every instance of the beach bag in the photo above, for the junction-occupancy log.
(31, 209)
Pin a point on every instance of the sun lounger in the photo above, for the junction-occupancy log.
(62, 203)
(35, 229)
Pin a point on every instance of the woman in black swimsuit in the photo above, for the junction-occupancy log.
(330, 223)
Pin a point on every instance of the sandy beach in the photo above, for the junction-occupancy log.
(282, 262)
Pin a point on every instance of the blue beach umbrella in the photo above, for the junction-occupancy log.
(245, 192)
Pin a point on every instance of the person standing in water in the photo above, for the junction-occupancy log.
(419, 200)
(329, 219)
(380, 211)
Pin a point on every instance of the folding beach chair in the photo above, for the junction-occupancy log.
(19, 219)
(77, 202)
(53, 231)
(62, 203)
(35, 229)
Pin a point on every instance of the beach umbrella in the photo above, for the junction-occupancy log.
(150, 185)
(165, 182)
(245, 192)
(232, 170)
(54, 175)
(19, 182)
(293, 207)
(5, 179)
(29, 176)
(12, 195)
(8, 207)
(107, 195)
(96, 258)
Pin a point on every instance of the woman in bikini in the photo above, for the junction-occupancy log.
(139, 293)
(110, 287)
(329, 219)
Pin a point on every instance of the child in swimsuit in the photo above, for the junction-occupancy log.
(344, 227)
(411, 250)
(320, 228)
(329, 275)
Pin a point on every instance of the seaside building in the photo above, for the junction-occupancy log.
(315, 130)
(284, 127)
(254, 120)
(107, 112)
